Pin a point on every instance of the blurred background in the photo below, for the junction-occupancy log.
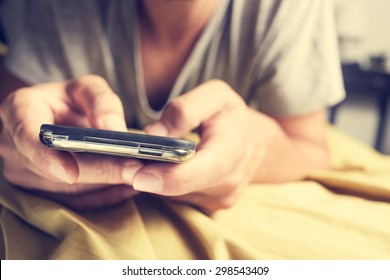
(364, 40)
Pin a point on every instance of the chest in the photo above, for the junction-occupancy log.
(161, 66)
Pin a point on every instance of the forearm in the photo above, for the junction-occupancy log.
(281, 155)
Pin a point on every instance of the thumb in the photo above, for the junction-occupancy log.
(197, 107)
(93, 96)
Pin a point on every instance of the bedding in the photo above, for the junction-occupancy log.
(342, 213)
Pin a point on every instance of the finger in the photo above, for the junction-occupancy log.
(73, 118)
(106, 169)
(22, 114)
(218, 151)
(94, 97)
(15, 172)
(29, 108)
(95, 171)
(15, 162)
(190, 110)
(29, 180)
(205, 170)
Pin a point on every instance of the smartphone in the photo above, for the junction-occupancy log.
(115, 143)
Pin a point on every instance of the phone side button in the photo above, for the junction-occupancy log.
(149, 151)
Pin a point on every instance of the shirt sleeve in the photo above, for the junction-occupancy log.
(298, 62)
(54, 40)
(35, 53)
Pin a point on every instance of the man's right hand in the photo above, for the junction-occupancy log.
(92, 180)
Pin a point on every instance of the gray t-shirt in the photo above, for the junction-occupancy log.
(279, 55)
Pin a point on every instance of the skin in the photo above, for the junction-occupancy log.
(87, 102)
(271, 150)
(168, 31)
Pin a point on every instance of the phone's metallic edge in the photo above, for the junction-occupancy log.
(169, 155)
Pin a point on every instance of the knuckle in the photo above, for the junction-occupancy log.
(98, 83)
(222, 87)
(218, 84)
(100, 95)
(22, 96)
(86, 84)
(96, 79)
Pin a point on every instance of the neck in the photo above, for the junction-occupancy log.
(172, 21)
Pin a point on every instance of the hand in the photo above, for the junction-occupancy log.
(86, 102)
(224, 160)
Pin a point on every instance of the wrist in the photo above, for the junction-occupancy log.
(264, 135)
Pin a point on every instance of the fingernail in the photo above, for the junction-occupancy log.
(128, 172)
(157, 129)
(59, 172)
(147, 182)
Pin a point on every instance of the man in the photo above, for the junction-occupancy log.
(253, 78)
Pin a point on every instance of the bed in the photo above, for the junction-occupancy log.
(343, 213)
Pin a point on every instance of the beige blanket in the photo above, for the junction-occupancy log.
(339, 214)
